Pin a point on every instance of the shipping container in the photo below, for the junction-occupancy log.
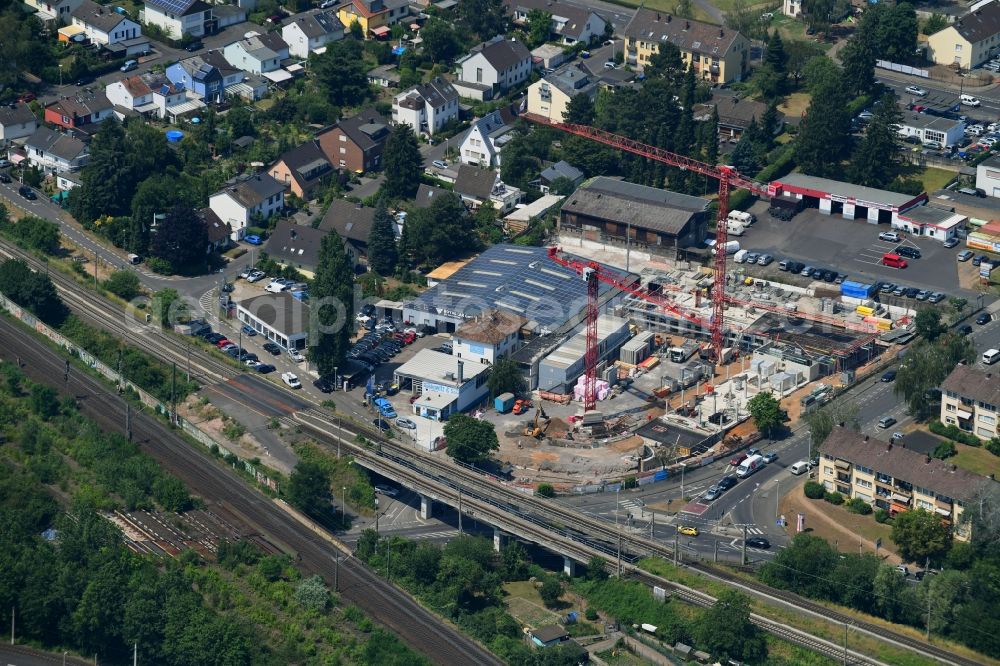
(864, 310)
(856, 289)
(504, 402)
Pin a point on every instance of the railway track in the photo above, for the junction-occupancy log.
(230, 496)
(551, 515)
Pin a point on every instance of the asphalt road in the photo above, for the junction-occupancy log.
(20, 655)
(989, 111)
(226, 493)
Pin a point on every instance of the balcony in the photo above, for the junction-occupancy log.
(843, 478)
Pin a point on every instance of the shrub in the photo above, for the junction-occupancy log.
(834, 498)
(546, 490)
(814, 490)
(590, 614)
(124, 284)
(882, 516)
(944, 450)
(993, 446)
(160, 266)
(858, 505)
(952, 431)
(630, 482)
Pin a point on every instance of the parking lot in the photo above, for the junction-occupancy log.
(852, 247)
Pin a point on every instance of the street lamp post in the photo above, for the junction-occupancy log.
(343, 504)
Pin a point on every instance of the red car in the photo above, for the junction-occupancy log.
(737, 459)
(222, 343)
(408, 338)
(26, 97)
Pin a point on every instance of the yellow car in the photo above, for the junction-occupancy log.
(690, 531)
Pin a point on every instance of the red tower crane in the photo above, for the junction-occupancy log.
(593, 272)
(727, 176)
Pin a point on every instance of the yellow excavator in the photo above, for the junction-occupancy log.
(536, 430)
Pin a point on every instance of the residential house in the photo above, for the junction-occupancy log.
(58, 11)
(492, 335)
(83, 109)
(426, 107)
(571, 24)
(251, 55)
(180, 18)
(477, 186)
(735, 114)
(132, 93)
(226, 15)
(374, 16)
(295, 245)
(427, 195)
(246, 200)
(561, 169)
(353, 223)
(208, 75)
(970, 40)
(54, 152)
(302, 169)
(173, 101)
(609, 210)
(550, 95)
(218, 233)
(927, 128)
(384, 76)
(717, 54)
(272, 40)
(889, 476)
(493, 68)
(103, 25)
(970, 399)
(355, 144)
(17, 121)
(308, 33)
(489, 134)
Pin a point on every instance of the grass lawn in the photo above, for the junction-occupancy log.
(842, 527)
(670, 7)
(934, 179)
(795, 104)
(525, 604)
(976, 460)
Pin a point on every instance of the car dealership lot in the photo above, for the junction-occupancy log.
(851, 247)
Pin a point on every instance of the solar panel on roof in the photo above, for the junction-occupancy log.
(175, 6)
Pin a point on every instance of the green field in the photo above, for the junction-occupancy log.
(934, 179)
(976, 460)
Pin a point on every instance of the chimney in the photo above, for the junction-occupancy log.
(461, 374)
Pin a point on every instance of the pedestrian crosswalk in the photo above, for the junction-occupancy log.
(443, 534)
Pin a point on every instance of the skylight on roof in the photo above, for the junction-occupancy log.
(536, 283)
(531, 297)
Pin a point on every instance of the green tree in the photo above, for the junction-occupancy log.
(822, 421)
(124, 284)
(484, 18)
(167, 307)
(926, 366)
(920, 534)
(439, 40)
(803, 567)
(897, 33)
(766, 412)
(597, 568)
(580, 110)
(539, 27)
(799, 52)
(33, 233)
(727, 632)
(888, 588)
(103, 182)
(341, 73)
(550, 591)
(308, 489)
(470, 440)
(775, 55)
(876, 161)
(33, 291)
(382, 255)
(331, 294)
(936, 23)
(667, 64)
(505, 377)
(181, 239)
(929, 324)
(438, 233)
(403, 164)
(312, 593)
(820, 146)
(154, 196)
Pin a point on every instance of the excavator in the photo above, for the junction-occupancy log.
(535, 430)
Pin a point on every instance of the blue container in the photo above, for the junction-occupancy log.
(856, 289)
(504, 402)
(173, 136)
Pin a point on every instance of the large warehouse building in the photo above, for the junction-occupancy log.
(851, 201)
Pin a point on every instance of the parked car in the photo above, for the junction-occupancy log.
(27, 193)
(403, 422)
(213, 338)
(265, 368)
(383, 489)
(296, 356)
(689, 530)
(758, 542)
(194, 46)
(964, 255)
(770, 457)
(965, 330)
(712, 493)
(737, 459)
(381, 424)
(4, 178)
(936, 297)
(923, 295)
(891, 236)
(916, 90)
(248, 330)
(765, 259)
(978, 259)
(253, 239)
(272, 348)
(984, 318)
(889, 376)
(951, 242)
(907, 251)
(727, 482)
(291, 379)
(325, 384)
(886, 422)
(130, 65)
(440, 164)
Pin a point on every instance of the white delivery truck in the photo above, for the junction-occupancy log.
(731, 247)
(740, 256)
(734, 227)
(749, 466)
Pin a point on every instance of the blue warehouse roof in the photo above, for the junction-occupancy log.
(518, 279)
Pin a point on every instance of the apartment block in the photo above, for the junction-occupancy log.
(969, 399)
(889, 476)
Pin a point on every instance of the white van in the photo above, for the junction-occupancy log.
(990, 356)
(969, 100)
(749, 466)
(740, 256)
(734, 227)
(801, 467)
